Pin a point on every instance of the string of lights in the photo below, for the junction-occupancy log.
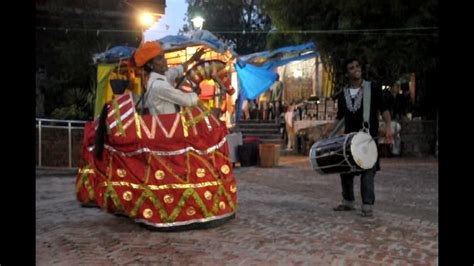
(396, 31)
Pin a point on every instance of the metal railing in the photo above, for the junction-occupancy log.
(62, 124)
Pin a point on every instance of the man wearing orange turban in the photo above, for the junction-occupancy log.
(161, 97)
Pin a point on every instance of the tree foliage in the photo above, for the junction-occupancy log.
(239, 22)
(68, 34)
(360, 28)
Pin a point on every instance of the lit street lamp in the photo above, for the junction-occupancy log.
(147, 19)
(198, 22)
(147, 11)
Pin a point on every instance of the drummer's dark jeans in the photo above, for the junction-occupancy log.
(366, 186)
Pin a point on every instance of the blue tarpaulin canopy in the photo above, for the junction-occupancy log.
(114, 55)
(254, 70)
(201, 37)
(280, 56)
(254, 80)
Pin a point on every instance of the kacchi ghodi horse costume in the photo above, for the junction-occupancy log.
(167, 171)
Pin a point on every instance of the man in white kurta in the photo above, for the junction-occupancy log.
(161, 96)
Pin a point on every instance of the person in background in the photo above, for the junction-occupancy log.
(245, 110)
(277, 91)
(264, 104)
(290, 131)
(402, 102)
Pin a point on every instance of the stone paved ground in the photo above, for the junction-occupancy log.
(284, 217)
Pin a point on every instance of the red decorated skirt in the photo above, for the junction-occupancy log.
(166, 171)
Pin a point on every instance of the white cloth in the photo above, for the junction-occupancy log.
(161, 97)
(289, 118)
(353, 92)
(233, 141)
(397, 142)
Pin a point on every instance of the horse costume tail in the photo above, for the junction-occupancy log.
(101, 133)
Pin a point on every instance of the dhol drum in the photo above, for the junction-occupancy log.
(349, 153)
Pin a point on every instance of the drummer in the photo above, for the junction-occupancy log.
(350, 105)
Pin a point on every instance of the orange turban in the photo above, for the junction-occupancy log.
(146, 52)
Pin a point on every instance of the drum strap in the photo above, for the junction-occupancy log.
(366, 107)
(338, 127)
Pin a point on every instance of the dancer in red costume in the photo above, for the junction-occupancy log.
(166, 170)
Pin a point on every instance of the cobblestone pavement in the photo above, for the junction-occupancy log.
(284, 217)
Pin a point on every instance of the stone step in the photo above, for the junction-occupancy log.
(262, 136)
(255, 125)
(260, 130)
(274, 141)
(266, 131)
(273, 138)
(257, 122)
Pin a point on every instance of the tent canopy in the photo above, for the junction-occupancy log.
(177, 49)
(280, 56)
(254, 70)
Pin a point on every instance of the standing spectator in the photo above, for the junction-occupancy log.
(290, 131)
(277, 90)
(402, 102)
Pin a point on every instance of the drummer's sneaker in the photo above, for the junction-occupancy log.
(366, 211)
(345, 206)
